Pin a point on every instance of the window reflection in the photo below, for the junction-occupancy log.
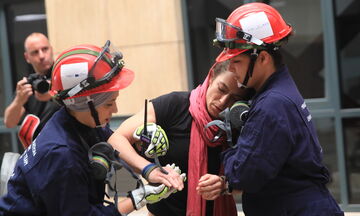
(326, 133)
(352, 154)
(23, 18)
(348, 41)
(304, 54)
(2, 96)
(5, 140)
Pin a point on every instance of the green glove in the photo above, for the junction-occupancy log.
(159, 144)
(153, 193)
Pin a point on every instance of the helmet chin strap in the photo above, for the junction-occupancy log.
(250, 70)
(95, 116)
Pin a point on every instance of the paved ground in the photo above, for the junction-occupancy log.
(143, 212)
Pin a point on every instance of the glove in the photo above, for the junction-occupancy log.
(159, 143)
(153, 193)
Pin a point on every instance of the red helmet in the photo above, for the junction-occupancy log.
(84, 70)
(252, 25)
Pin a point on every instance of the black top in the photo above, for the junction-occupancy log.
(42, 109)
(172, 114)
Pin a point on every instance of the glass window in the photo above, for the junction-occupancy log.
(348, 42)
(23, 18)
(304, 54)
(326, 133)
(2, 93)
(352, 154)
(5, 140)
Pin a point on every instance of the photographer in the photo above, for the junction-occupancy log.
(32, 105)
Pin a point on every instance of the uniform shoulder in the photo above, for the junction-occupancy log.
(274, 99)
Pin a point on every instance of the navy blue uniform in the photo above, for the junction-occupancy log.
(53, 176)
(278, 159)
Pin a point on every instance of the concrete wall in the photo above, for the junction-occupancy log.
(149, 33)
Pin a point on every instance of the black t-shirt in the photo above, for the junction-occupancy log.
(172, 114)
(42, 109)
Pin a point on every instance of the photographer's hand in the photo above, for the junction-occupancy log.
(23, 92)
(16, 109)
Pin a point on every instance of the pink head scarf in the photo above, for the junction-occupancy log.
(198, 155)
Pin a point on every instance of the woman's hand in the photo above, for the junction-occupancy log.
(210, 186)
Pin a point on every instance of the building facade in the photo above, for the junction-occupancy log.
(321, 56)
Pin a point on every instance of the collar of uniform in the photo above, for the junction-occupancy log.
(271, 80)
(86, 132)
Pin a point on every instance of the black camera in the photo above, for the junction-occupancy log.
(38, 83)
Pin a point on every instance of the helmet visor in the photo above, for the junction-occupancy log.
(110, 55)
(226, 32)
(223, 30)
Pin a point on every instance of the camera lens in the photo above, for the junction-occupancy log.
(40, 85)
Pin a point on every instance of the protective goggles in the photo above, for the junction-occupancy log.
(108, 54)
(222, 33)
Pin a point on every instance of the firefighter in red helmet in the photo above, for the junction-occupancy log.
(277, 161)
(65, 169)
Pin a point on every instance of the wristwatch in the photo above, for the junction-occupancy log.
(228, 189)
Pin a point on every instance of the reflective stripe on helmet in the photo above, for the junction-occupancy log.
(81, 51)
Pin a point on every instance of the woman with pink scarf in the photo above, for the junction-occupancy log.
(183, 116)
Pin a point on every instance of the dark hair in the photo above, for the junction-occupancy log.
(277, 57)
(275, 54)
(220, 67)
